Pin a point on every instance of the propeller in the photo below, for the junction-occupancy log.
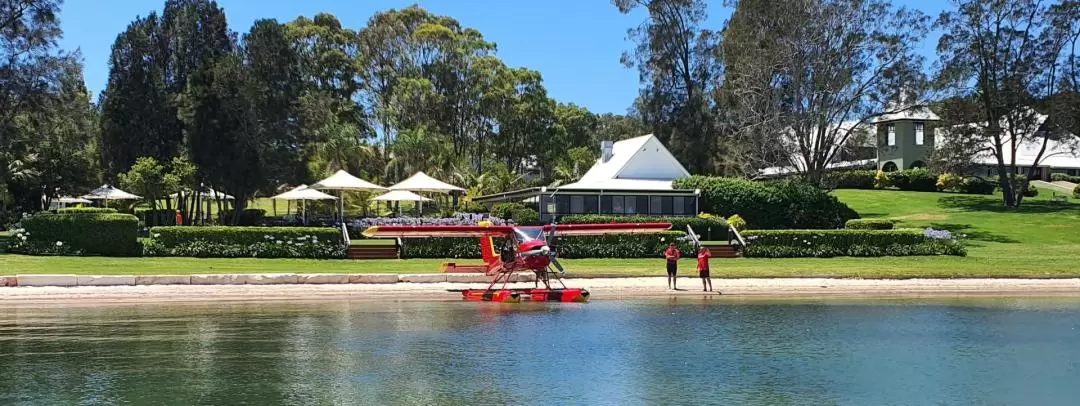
(551, 249)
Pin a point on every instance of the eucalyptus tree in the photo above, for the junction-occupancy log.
(1011, 58)
(803, 74)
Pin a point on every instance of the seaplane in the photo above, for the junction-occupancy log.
(523, 249)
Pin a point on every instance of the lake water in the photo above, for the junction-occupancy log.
(684, 351)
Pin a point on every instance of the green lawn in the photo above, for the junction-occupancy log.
(1040, 240)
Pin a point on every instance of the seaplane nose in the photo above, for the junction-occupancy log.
(545, 249)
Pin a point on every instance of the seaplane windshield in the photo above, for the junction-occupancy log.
(530, 233)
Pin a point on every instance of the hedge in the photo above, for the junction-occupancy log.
(301, 247)
(86, 210)
(915, 180)
(1061, 177)
(850, 179)
(871, 224)
(710, 229)
(108, 234)
(1076, 192)
(605, 246)
(788, 204)
(852, 243)
(176, 236)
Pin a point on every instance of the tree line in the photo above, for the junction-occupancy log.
(784, 82)
(192, 102)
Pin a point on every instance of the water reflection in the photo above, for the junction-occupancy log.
(709, 351)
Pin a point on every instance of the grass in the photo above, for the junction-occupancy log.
(1040, 240)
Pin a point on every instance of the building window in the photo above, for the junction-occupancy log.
(577, 204)
(918, 133)
(655, 205)
(892, 134)
(630, 205)
(607, 204)
(680, 205)
(618, 205)
(592, 204)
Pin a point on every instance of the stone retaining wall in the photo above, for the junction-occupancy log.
(248, 279)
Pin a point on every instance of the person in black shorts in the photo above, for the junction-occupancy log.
(672, 256)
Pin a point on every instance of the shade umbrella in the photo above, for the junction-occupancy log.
(303, 193)
(209, 194)
(107, 192)
(70, 200)
(402, 196)
(342, 181)
(421, 182)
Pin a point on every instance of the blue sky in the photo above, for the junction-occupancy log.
(574, 44)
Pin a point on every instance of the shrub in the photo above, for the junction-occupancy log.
(854, 243)
(505, 210)
(978, 186)
(773, 205)
(604, 246)
(948, 182)
(869, 224)
(86, 210)
(881, 180)
(1031, 191)
(737, 222)
(709, 228)
(1076, 192)
(109, 234)
(526, 217)
(473, 207)
(176, 236)
(916, 180)
(1061, 177)
(251, 217)
(851, 179)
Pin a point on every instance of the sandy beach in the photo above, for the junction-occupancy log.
(600, 288)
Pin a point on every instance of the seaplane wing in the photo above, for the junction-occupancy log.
(436, 231)
(562, 230)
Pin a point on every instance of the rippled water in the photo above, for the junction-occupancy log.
(974, 351)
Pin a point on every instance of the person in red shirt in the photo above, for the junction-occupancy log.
(703, 268)
(672, 255)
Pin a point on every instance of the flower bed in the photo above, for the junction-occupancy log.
(357, 226)
(853, 243)
(234, 242)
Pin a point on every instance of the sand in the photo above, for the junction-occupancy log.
(600, 289)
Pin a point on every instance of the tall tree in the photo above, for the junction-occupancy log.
(802, 74)
(677, 63)
(1007, 55)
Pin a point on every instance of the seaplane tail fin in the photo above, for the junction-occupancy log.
(487, 247)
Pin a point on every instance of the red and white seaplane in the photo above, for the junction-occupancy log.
(525, 249)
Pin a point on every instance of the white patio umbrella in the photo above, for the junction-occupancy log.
(342, 181)
(402, 196)
(209, 194)
(107, 192)
(303, 193)
(421, 182)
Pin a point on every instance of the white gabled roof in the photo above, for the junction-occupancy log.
(639, 163)
(1058, 154)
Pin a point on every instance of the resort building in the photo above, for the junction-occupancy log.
(906, 140)
(631, 177)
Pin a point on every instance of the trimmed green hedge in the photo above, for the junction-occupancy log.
(850, 243)
(788, 204)
(108, 234)
(86, 210)
(175, 236)
(302, 248)
(870, 224)
(710, 229)
(1061, 177)
(1076, 192)
(606, 246)
(915, 180)
(850, 179)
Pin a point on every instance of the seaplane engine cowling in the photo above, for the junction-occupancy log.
(535, 254)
